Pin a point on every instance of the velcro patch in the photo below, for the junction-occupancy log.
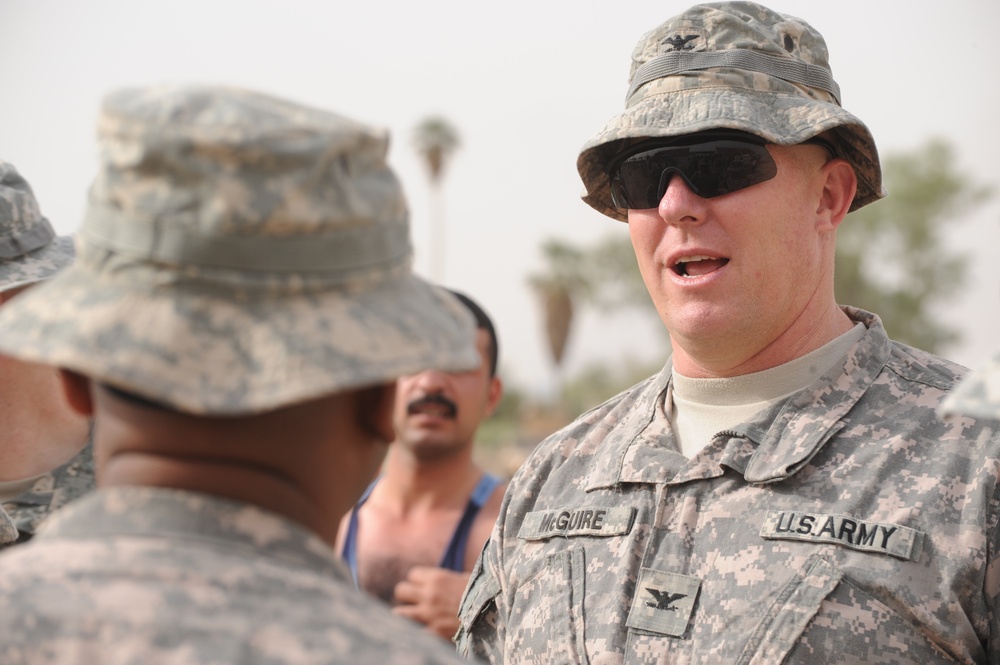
(577, 521)
(883, 538)
(663, 602)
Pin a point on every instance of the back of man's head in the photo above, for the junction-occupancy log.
(240, 253)
(483, 322)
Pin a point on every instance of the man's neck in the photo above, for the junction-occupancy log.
(807, 334)
(412, 484)
(33, 443)
(280, 461)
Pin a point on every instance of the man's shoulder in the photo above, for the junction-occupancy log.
(188, 577)
(905, 394)
(921, 367)
(50, 586)
(584, 436)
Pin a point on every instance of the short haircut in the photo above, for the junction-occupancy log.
(483, 322)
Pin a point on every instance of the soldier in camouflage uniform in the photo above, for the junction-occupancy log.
(783, 490)
(241, 304)
(45, 455)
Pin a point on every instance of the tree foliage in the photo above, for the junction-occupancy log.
(892, 258)
(562, 283)
(613, 275)
(435, 139)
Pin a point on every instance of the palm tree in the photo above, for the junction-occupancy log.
(558, 288)
(435, 139)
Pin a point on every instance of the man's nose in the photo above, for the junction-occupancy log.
(679, 203)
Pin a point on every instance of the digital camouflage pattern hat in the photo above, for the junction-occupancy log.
(30, 251)
(731, 65)
(978, 395)
(239, 253)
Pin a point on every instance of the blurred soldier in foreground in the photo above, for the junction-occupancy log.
(783, 491)
(978, 395)
(45, 456)
(241, 305)
(415, 535)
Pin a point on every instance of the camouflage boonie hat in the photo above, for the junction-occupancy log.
(731, 65)
(978, 394)
(30, 250)
(239, 253)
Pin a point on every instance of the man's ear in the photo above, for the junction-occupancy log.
(493, 399)
(839, 186)
(375, 405)
(76, 389)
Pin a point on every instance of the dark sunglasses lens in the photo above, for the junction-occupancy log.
(710, 169)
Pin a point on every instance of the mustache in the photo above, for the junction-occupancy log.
(450, 408)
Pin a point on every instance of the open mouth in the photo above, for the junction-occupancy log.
(696, 266)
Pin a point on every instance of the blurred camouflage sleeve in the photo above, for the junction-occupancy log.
(8, 533)
(51, 491)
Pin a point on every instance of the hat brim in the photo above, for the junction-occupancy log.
(37, 266)
(781, 118)
(210, 354)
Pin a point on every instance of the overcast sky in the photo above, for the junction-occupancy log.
(525, 83)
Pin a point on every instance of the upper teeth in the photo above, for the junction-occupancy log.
(689, 259)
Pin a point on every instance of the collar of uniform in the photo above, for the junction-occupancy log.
(178, 516)
(809, 418)
(639, 447)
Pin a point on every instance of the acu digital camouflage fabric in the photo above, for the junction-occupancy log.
(30, 251)
(979, 394)
(848, 524)
(240, 253)
(49, 492)
(8, 532)
(734, 65)
(143, 575)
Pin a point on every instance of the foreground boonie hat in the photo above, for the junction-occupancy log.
(978, 395)
(30, 251)
(733, 65)
(239, 253)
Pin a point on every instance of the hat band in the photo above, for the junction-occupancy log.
(38, 236)
(786, 69)
(343, 251)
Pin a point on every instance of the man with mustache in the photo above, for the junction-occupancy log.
(414, 536)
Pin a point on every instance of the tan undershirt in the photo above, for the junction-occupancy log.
(704, 407)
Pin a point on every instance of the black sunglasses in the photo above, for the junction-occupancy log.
(711, 163)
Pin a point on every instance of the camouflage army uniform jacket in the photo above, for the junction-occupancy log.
(56, 488)
(849, 524)
(149, 575)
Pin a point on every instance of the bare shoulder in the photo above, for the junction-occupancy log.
(345, 521)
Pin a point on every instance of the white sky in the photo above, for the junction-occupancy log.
(525, 83)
